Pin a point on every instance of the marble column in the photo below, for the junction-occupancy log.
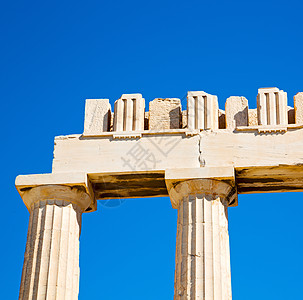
(51, 260)
(202, 249)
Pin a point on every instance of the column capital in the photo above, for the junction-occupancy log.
(208, 181)
(74, 188)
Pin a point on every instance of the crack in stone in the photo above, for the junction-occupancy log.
(195, 255)
(201, 159)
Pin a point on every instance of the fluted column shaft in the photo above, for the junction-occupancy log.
(202, 251)
(202, 248)
(51, 261)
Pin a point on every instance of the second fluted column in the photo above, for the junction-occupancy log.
(202, 248)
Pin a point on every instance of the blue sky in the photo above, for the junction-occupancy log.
(55, 54)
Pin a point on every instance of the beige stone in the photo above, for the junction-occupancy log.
(246, 148)
(272, 107)
(291, 115)
(129, 113)
(252, 117)
(236, 111)
(298, 103)
(146, 120)
(184, 119)
(222, 119)
(165, 114)
(111, 126)
(202, 111)
(97, 116)
(190, 175)
(77, 183)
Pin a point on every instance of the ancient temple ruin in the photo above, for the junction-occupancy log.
(201, 157)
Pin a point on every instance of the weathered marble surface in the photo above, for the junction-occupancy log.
(202, 251)
(201, 157)
(51, 260)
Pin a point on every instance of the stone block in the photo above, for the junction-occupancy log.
(184, 119)
(97, 116)
(236, 110)
(291, 115)
(298, 102)
(252, 117)
(202, 111)
(272, 106)
(165, 114)
(222, 119)
(146, 120)
(129, 113)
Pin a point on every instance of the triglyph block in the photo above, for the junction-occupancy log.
(129, 113)
(272, 106)
(202, 111)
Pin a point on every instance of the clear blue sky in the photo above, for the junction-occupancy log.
(55, 54)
